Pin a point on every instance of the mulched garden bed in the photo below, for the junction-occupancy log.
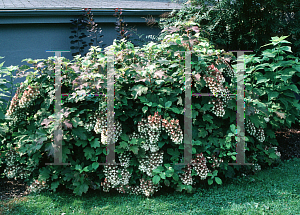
(287, 138)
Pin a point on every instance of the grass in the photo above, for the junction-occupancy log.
(271, 191)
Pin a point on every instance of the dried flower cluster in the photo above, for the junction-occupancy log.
(250, 128)
(260, 135)
(117, 177)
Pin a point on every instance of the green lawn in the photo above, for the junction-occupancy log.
(271, 191)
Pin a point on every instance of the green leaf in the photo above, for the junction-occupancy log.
(124, 137)
(194, 150)
(218, 180)
(95, 143)
(82, 188)
(169, 172)
(232, 128)
(285, 48)
(80, 133)
(272, 95)
(134, 149)
(156, 179)
(210, 181)
(262, 79)
(143, 99)
(138, 90)
(54, 185)
(208, 118)
(86, 169)
(145, 109)
(175, 177)
(168, 104)
(197, 143)
(162, 175)
(81, 143)
(175, 110)
(95, 165)
(167, 182)
(173, 152)
(44, 173)
(178, 42)
(273, 155)
(78, 167)
(202, 132)
(75, 122)
(89, 152)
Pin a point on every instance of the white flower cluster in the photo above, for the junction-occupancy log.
(275, 148)
(116, 176)
(148, 188)
(199, 165)
(12, 170)
(186, 177)
(92, 120)
(250, 128)
(152, 128)
(112, 176)
(256, 167)
(101, 127)
(223, 94)
(215, 162)
(173, 130)
(15, 101)
(228, 70)
(13, 106)
(37, 186)
(218, 108)
(124, 159)
(215, 81)
(28, 97)
(258, 133)
(151, 162)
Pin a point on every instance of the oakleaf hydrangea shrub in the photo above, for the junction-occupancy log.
(149, 112)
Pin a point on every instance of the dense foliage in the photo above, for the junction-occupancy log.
(242, 25)
(149, 113)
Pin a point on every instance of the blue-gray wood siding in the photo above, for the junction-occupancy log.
(29, 34)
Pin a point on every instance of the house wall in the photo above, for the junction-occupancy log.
(29, 34)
